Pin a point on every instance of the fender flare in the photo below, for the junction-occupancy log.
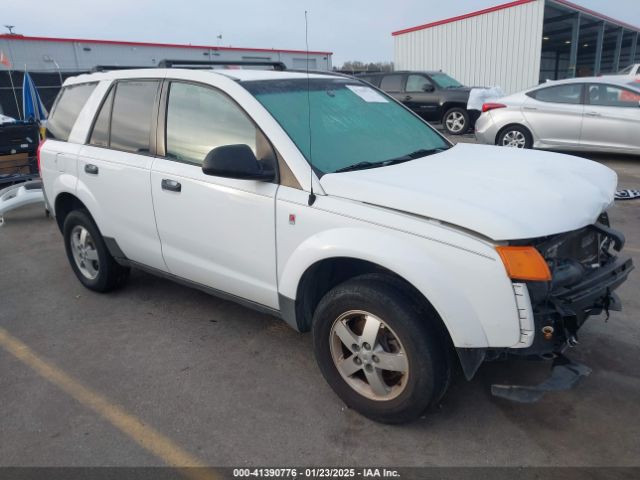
(428, 275)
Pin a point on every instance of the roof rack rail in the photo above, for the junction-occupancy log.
(205, 63)
(106, 68)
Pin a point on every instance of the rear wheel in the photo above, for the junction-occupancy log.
(515, 136)
(456, 121)
(88, 255)
(378, 350)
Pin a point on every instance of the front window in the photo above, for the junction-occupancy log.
(200, 119)
(612, 96)
(351, 123)
(445, 81)
(417, 83)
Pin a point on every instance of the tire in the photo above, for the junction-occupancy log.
(420, 377)
(456, 121)
(515, 136)
(88, 255)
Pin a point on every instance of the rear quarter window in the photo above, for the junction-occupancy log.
(65, 112)
(391, 83)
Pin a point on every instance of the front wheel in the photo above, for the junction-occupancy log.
(515, 137)
(380, 352)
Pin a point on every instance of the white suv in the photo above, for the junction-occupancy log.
(321, 200)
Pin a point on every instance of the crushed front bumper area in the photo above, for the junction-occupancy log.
(565, 374)
(560, 312)
(585, 274)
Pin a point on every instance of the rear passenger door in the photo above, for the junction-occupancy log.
(217, 232)
(555, 114)
(114, 168)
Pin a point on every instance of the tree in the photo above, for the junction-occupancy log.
(356, 66)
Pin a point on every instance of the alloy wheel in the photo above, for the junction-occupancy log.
(455, 122)
(84, 252)
(369, 355)
(515, 139)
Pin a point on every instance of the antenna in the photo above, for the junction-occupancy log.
(312, 196)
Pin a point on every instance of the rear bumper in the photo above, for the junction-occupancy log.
(486, 129)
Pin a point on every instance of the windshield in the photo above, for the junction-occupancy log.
(445, 81)
(351, 123)
(626, 71)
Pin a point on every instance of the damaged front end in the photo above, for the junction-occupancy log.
(585, 272)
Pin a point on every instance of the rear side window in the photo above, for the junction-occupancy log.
(66, 110)
(391, 83)
(100, 134)
(571, 94)
(131, 115)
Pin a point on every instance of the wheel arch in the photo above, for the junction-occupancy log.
(449, 104)
(330, 258)
(64, 204)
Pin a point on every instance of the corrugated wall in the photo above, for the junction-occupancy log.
(500, 48)
(42, 55)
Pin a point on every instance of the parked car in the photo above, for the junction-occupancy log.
(435, 96)
(353, 219)
(591, 114)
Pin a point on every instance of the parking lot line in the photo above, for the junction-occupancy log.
(145, 436)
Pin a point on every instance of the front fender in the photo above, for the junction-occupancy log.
(470, 291)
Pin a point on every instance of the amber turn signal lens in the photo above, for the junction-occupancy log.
(524, 263)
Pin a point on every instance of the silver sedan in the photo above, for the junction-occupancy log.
(591, 114)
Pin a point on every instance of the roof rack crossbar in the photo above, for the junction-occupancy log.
(204, 63)
(106, 68)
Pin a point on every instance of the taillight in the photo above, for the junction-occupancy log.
(492, 106)
(38, 156)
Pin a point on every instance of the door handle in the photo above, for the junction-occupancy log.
(532, 109)
(91, 169)
(407, 98)
(593, 114)
(171, 185)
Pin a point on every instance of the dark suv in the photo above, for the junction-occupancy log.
(435, 96)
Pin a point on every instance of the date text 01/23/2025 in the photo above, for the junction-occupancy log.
(315, 472)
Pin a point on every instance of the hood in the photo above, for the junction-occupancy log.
(501, 193)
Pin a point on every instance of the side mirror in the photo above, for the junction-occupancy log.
(428, 87)
(236, 161)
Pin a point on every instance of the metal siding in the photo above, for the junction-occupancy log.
(500, 48)
(39, 55)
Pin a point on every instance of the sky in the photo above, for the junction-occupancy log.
(351, 29)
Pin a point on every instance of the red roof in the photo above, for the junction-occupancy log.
(8, 36)
(510, 5)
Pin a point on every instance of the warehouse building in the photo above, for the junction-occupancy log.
(51, 60)
(520, 44)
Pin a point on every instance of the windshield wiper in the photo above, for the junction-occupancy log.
(414, 155)
(359, 166)
(405, 158)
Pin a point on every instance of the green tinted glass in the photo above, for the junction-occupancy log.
(350, 122)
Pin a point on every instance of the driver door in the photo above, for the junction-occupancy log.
(420, 96)
(214, 231)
